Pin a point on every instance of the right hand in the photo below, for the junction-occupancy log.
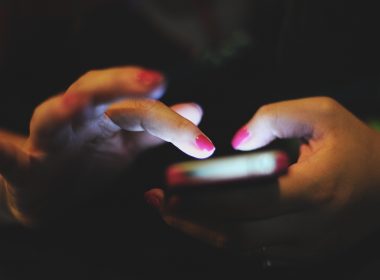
(324, 205)
(81, 139)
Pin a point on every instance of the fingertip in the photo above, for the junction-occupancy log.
(191, 111)
(158, 91)
(203, 154)
(249, 145)
(241, 138)
(204, 143)
(201, 147)
(243, 149)
(197, 153)
(149, 78)
(197, 107)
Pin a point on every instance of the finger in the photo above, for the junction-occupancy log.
(87, 98)
(191, 111)
(300, 118)
(51, 122)
(103, 86)
(16, 139)
(159, 120)
(13, 160)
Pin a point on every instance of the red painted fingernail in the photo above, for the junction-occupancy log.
(149, 78)
(240, 137)
(204, 143)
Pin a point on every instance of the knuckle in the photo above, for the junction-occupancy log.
(182, 125)
(265, 109)
(149, 106)
(268, 112)
(327, 105)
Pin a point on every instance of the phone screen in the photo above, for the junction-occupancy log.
(218, 171)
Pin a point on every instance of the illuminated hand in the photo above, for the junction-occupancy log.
(84, 137)
(325, 203)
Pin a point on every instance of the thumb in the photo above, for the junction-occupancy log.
(303, 118)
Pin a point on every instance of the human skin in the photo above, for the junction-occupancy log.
(323, 205)
(83, 138)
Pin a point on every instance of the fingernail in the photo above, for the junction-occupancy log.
(153, 201)
(240, 137)
(149, 78)
(204, 143)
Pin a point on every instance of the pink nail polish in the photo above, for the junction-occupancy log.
(204, 143)
(149, 78)
(240, 137)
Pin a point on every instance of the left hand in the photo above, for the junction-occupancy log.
(80, 140)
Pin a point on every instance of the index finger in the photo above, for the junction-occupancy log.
(159, 120)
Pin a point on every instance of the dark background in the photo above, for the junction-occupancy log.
(300, 48)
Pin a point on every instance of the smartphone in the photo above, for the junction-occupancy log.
(222, 171)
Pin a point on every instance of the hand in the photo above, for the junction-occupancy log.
(327, 201)
(86, 136)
